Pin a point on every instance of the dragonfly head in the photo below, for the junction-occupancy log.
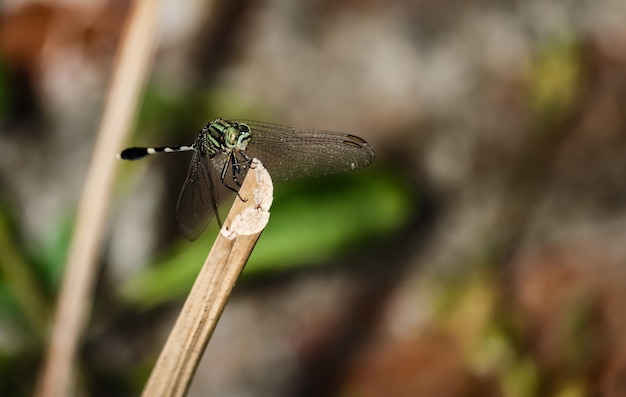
(237, 136)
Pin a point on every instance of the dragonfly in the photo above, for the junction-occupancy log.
(224, 149)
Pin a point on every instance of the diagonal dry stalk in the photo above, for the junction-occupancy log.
(132, 64)
(172, 374)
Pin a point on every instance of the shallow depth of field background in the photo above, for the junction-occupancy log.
(483, 254)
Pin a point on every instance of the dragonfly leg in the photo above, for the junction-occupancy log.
(239, 166)
(247, 159)
(231, 161)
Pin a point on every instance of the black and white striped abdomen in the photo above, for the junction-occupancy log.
(136, 153)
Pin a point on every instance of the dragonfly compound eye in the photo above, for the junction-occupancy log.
(244, 136)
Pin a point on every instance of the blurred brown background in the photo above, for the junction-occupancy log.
(482, 254)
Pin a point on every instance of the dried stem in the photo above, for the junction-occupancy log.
(132, 64)
(181, 354)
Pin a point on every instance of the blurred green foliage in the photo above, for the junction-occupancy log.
(23, 299)
(474, 309)
(554, 80)
(49, 258)
(165, 111)
(311, 221)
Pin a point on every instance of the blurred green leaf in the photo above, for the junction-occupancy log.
(49, 258)
(311, 221)
(520, 379)
(165, 111)
(19, 279)
(314, 220)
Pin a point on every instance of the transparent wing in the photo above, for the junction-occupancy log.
(289, 152)
(197, 203)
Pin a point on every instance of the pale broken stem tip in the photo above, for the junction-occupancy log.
(251, 215)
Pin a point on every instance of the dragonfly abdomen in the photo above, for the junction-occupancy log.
(136, 153)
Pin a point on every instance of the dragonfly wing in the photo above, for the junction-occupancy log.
(289, 152)
(197, 203)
